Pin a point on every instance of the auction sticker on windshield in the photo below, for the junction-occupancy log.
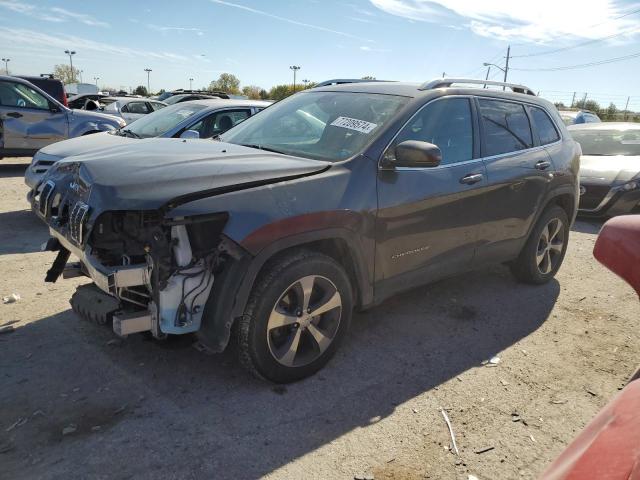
(354, 124)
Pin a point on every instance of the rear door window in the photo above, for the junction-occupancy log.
(544, 126)
(137, 107)
(506, 127)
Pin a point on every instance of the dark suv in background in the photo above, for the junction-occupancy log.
(334, 198)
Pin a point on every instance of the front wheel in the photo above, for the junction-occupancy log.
(544, 251)
(297, 315)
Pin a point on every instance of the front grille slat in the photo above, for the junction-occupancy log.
(77, 218)
(45, 196)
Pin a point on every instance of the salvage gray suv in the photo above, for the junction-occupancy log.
(31, 119)
(333, 199)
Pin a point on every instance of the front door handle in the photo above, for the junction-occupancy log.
(14, 114)
(471, 178)
(543, 165)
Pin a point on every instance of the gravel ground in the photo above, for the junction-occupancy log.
(75, 402)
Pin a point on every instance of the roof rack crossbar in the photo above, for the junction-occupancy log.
(447, 82)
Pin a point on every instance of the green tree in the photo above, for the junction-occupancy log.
(226, 82)
(264, 95)
(612, 110)
(278, 92)
(141, 90)
(368, 77)
(252, 92)
(560, 105)
(65, 74)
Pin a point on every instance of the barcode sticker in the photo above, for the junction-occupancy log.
(354, 124)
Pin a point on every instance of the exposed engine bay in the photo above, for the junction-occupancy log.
(161, 270)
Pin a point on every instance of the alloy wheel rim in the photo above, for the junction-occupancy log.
(304, 321)
(550, 246)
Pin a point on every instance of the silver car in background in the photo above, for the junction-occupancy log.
(609, 168)
(196, 119)
(130, 108)
(31, 119)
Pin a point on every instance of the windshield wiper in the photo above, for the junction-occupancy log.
(129, 132)
(260, 147)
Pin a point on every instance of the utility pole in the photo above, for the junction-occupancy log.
(584, 100)
(626, 108)
(95, 79)
(506, 65)
(71, 53)
(444, 74)
(6, 65)
(487, 76)
(190, 83)
(295, 69)
(573, 99)
(148, 70)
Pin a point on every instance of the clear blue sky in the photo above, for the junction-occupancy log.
(257, 40)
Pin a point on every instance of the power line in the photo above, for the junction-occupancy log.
(570, 47)
(582, 65)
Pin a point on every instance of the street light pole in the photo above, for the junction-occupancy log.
(191, 84)
(306, 82)
(295, 69)
(71, 53)
(95, 79)
(6, 64)
(506, 64)
(148, 70)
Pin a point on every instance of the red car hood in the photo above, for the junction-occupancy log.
(609, 446)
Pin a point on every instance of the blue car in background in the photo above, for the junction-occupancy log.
(195, 119)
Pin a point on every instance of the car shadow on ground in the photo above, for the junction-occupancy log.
(588, 225)
(8, 169)
(165, 410)
(21, 232)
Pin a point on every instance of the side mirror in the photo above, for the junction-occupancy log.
(416, 154)
(190, 134)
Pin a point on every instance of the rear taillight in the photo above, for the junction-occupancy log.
(64, 98)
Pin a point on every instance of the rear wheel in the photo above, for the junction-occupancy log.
(545, 249)
(296, 317)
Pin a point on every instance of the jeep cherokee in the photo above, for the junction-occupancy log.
(333, 199)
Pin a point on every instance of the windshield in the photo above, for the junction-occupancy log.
(163, 96)
(163, 120)
(174, 99)
(319, 125)
(608, 142)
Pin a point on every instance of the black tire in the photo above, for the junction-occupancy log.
(526, 267)
(279, 278)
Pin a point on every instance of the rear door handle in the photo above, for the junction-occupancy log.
(14, 114)
(471, 178)
(543, 165)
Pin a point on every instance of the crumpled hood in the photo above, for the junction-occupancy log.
(92, 116)
(608, 170)
(149, 174)
(86, 144)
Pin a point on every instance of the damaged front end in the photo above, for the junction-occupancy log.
(160, 269)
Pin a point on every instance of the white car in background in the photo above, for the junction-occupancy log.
(130, 108)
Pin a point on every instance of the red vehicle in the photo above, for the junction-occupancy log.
(609, 446)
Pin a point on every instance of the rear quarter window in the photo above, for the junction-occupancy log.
(544, 126)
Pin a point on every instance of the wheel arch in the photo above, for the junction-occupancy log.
(340, 244)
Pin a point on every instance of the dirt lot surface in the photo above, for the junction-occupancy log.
(77, 403)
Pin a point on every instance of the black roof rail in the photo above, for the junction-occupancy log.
(447, 82)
